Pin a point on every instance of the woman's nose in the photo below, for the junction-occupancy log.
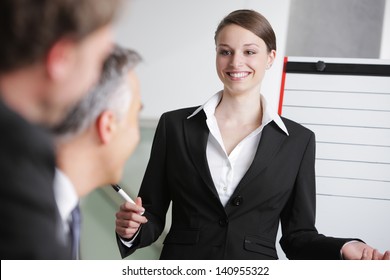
(237, 60)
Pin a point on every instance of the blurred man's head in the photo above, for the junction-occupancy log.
(56, 47)
(102, 129)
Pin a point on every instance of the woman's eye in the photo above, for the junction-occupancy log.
(225, 52)
(250, 52)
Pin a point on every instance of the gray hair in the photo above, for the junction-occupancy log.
(111, 93)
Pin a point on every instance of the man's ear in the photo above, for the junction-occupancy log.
(60, 58)
(106, 126)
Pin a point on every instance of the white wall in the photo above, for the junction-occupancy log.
(385, 46)
(175, 39)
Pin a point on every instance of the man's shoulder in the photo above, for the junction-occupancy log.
(21, 138)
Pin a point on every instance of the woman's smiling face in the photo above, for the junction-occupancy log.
(241, 59)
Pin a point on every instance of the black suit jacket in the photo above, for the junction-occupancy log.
(28, 212)
(279, 186)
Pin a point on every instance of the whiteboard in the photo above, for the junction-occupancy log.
(347, 106)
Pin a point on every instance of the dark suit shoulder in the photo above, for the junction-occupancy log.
(176, 118)
(181, 113)
(26, 191)
(21, 136)
(296, 128)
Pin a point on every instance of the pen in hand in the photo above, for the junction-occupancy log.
(122, 193)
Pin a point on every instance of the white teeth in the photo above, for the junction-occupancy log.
(238, 74)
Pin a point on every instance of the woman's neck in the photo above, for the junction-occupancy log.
(244, 108)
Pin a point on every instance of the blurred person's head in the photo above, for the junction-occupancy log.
(51, 53)
(100, 132)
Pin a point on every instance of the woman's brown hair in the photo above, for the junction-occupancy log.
(252, 21)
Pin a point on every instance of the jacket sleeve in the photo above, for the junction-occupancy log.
(300, 238)
(154, 193)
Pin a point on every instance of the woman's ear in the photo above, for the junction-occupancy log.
(106, 126)
(60, 58)
(271, 58)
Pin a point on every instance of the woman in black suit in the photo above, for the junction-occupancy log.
(233, 169)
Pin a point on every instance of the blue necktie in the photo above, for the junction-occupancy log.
(75, 232)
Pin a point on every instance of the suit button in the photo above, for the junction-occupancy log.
(223, 222)
(237, 201)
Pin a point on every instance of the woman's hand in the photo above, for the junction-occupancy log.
(129, 218)
(360, 251)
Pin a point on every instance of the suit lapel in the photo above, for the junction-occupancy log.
(270, 142)
(196, 135)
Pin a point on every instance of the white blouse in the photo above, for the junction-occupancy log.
(228, 170)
